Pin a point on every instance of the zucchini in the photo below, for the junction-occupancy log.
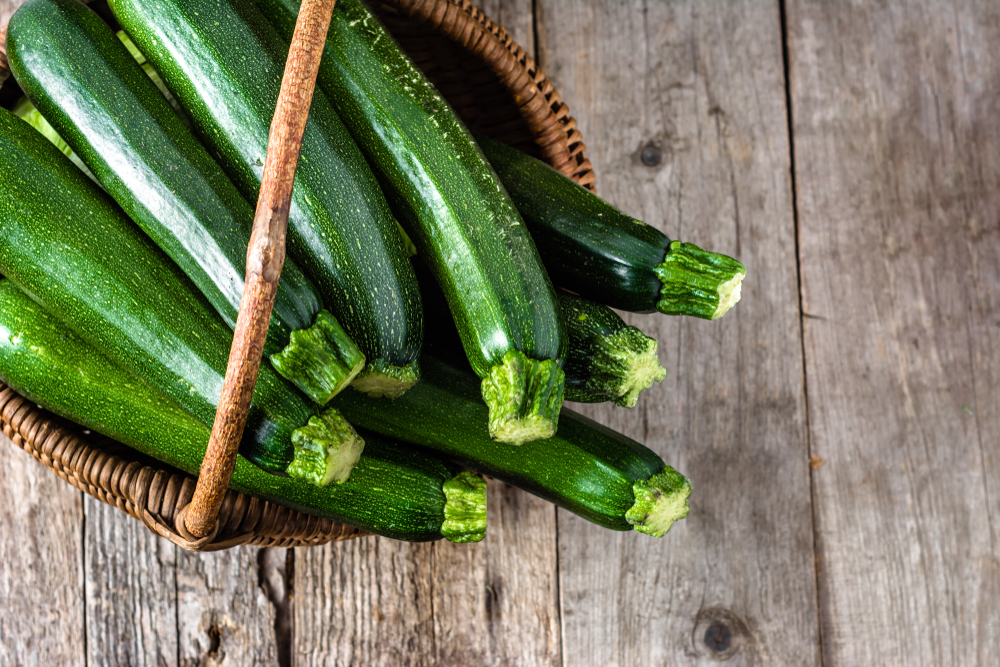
(65, 243)
(606, 359)
(92, 92)
(453, 207)
(586, 468)
(223, 63)
(598, 252)
(393, 491)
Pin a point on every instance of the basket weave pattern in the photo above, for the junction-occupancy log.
(500, 91)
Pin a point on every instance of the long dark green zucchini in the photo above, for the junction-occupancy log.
(65, 243)
(98, 99)
(607, 360)
(457, 214)
(393, 491)
(587, 468)
(223, 63)
(598, 252)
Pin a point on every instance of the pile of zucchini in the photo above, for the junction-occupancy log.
(126, 203)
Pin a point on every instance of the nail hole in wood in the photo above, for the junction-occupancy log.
(651, 155)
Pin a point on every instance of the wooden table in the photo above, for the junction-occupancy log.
(841, 425)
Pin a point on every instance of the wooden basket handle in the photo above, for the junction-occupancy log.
(265, 258)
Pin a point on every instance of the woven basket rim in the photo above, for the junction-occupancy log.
(157, 495)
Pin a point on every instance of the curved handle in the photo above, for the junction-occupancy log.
(265, 258)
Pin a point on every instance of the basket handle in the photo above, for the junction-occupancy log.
(265, 258)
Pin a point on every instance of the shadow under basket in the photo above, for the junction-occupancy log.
(498, 90)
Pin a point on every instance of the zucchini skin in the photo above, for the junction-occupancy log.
(585, 467)
(88, 87)
(392, 491)
(598, 252)
(223, 63)
(608, 360)
(66, 244)
(442, 188)
(588, 246)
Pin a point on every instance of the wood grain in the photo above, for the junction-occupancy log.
(131, 591)
(377, 602)
(898, 176)
(698, 87)
(41, 564)
(225, 617)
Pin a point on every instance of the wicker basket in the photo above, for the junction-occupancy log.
(499, 91)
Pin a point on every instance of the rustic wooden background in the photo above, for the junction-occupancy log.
(841, 425)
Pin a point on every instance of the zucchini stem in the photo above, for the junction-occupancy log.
(320, 360)
(698, 282)
(623, 365)
(524, 397)
(659, 501)
(464, 508)
(326, 449)
(380, 378)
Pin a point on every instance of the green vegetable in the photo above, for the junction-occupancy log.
(456, 213)
(99, 100)
(586, 468)
(223, 62)
(65, 243)
(607, 359)
(392, 491)
(598, 252)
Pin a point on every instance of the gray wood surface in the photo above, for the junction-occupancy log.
(41, 564)
(881, 361)
(897, 149)
(700, 85)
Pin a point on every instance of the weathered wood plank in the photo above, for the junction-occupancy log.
(378, 602)
(131, 593)
(516, 18)
(897, 158)
(224, 614)
(697, 86)
(41, 564)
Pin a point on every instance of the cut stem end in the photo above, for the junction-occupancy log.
(697, 282)
(659, 501)
(320, 360)
(624, 365)
(380, 378)
(524, 397)
(326, 449)
(464, 508)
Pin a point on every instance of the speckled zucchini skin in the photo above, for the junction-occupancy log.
(88, 87)
(587, 245)
(392, 491)
(585, 467)
(67, 245)
(442, 188)
(223, 63)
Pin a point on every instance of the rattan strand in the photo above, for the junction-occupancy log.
(507, 97)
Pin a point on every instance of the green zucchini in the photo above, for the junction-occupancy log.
(93, 93)
(598, 252)
(457, 214)
(223, 63)
(65, 243)
(393, 491)
(608, 360)
(586, 468)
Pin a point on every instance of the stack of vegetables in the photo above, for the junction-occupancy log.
(124, 274)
